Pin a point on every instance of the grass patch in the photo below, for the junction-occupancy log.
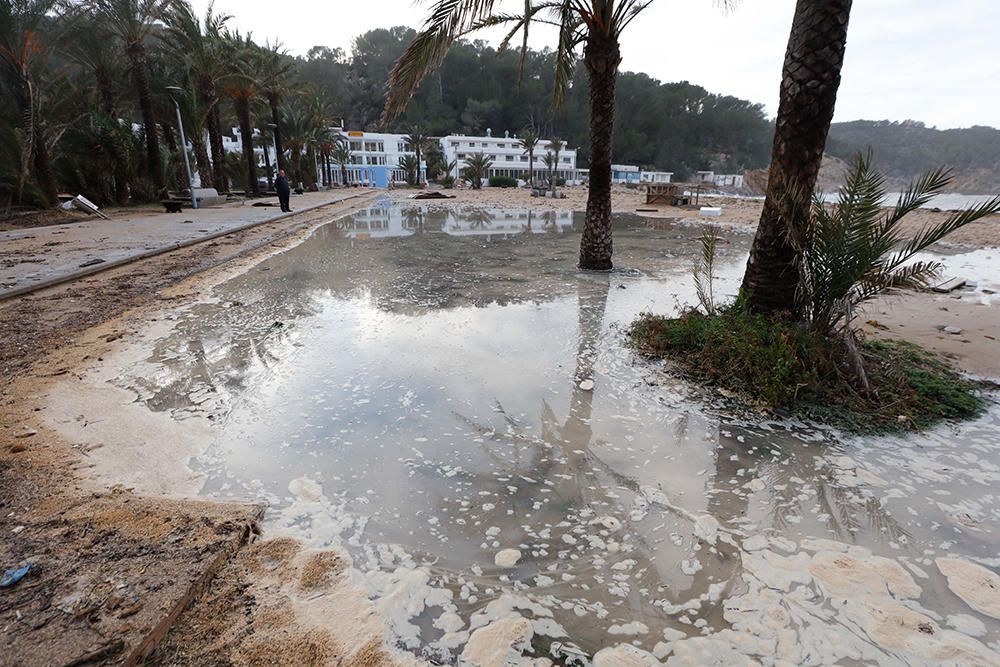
(784, 367)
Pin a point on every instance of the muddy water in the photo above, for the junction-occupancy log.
(444, 396)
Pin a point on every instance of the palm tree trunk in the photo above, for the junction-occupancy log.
(201, 159)
(809, 83)
(602, 57)
(246, 134)
(276, 119)
(531, 167)
(219, 179)
(137, 53)
(43, 167)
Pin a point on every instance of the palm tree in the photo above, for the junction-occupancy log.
(550, 163)
(411, 167)
(298, 125)
(274, 70)
(22, 58)
(555, 145)
(477, 166)
(418, 141)
(528, 141)
(809, 82)
(595, 24)
(242, 90)
(342, 156)
(133, 21)
(198, 45)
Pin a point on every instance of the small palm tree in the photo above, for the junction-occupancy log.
(410, 166)
(853, 251)
(477, 166)
(529, 141)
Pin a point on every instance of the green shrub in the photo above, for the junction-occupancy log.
(502, 182)
(560, 182)
(784, 366)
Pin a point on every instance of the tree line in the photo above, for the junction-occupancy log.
(88, 108)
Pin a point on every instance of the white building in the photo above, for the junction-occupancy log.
(721, 180)
(625, 174)
(378, 149)
(509, 158)
(655, 176)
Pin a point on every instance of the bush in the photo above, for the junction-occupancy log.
(560, 182)
(502, 182)
(446, 181)
(784, 366)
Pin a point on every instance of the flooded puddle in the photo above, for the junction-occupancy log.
(441, 394)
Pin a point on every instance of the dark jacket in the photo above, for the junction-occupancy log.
(281, 185)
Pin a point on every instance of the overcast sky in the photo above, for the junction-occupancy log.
(928, 60)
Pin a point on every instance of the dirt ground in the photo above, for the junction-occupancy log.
(113, 569)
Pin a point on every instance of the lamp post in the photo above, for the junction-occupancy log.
(174, 92)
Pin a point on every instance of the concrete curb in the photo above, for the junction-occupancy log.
(105, 266)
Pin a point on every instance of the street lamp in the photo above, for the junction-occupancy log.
(174, 92)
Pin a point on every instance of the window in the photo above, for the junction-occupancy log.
(374, 146)
(566, 160)
(454, 144)
(510, 158)
(461, 156)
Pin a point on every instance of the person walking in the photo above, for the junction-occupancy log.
(284, 192)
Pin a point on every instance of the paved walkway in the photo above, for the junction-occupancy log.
(31, 258)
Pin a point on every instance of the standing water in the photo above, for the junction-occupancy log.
(444, 396)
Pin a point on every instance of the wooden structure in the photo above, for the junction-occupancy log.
(673, 194)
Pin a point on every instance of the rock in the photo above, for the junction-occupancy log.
(977, 586)
(26, 433)
(952, 330)
(499, 644)
(587, 385)
(507, 558)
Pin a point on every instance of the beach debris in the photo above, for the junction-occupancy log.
(977, 586)
(953, 330)
(92, 262)
(15, 574)
(507, 558)
(432, 195)
(586, 385)
(949, 285)
(710, 211)
(81, 203)
(26, 433)
(499, 644)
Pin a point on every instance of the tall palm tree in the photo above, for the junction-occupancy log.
(595, 24)
(242, 90)
(529, 141)
(198, 46)
(809, 83)
(22, 58)
(133, 21)
(298, 125)
(274, 72)
(555, 145)
(342, 156)
(418, 140)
